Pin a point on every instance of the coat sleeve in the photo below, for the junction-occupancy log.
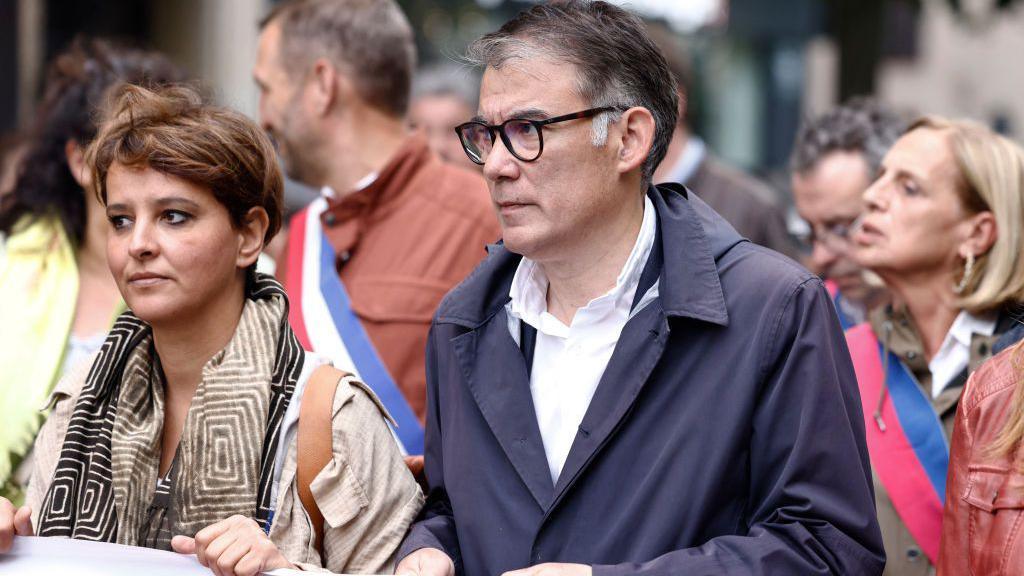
(435, 526)
(810, 503)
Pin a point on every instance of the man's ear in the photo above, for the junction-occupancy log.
(981, 234)
(75, 156)
(325, 86)
(635, 138)
(250, 236)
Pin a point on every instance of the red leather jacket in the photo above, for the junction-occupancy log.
(983, 523)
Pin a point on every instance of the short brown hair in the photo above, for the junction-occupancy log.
(175, 132)
(370, 40)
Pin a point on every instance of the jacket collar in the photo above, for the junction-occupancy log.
(691, 237)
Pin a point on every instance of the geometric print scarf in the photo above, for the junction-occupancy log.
(106, 471)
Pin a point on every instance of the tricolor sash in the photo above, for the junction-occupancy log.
(323, 320)
(837, 302)
(908, 448)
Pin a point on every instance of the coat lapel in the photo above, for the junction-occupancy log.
(690, 236)
(495, 372)
(640, 347)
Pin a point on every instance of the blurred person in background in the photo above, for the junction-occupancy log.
(395, 228)
(943, 228)
(57, 297)
(835, 158)
(442, 98)
(184, 433)
(12, 150)
(751, 206)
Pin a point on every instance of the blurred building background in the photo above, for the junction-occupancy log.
(760, 65)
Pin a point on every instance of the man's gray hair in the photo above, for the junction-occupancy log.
(371, 41)
(448, 79)
(860, 125)
(616, 62)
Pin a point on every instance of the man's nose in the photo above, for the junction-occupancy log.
(500, 162)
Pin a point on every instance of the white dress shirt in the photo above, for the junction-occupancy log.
(568, 361)
(955, 353)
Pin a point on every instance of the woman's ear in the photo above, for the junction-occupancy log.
(250, 236)
(75, 156)
(981, 234)
(635, 138)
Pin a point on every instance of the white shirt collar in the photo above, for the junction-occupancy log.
(530, 285)
(955, 353)
(364, 182)
(688, 162)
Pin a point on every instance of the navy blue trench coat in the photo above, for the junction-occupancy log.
(725, 436)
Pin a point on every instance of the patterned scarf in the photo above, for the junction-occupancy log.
(107, 469)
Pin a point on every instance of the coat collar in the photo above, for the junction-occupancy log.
(691, 238)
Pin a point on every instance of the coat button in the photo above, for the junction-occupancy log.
(913, 554)
(911, 355)
(330, 219)
(983, 349)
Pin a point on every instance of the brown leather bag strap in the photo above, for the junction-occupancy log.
(313, 448)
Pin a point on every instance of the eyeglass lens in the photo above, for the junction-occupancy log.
(520, 135)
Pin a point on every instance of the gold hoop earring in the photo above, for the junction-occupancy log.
(968, 268)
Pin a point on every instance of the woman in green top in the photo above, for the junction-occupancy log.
(57, 298)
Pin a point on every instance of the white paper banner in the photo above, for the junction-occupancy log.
(49, 556)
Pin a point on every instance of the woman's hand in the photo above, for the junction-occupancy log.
(236, 546)
(13, 522)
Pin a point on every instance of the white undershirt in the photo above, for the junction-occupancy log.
(568, 361)
(363, 183)
(955, 353)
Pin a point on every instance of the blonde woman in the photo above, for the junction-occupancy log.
(942, 227)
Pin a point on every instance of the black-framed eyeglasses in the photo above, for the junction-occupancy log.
(522, 137)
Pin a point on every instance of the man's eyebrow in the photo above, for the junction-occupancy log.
(529, 114)
(521, 114)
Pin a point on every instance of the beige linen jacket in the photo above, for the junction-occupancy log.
(366, 494)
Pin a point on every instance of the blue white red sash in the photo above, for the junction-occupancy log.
(837, 302)
(908, 448)
(323, 320)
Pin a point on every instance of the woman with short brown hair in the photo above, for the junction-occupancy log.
(183, 434)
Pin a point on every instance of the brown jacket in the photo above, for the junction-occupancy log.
(903, 556)
(403, 242)
(983, 523)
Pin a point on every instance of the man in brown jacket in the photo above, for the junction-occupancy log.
(401, 227)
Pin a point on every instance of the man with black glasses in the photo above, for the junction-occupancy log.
(625, 385)
(835, 158)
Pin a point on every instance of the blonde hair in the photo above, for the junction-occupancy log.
(1012, 434)
(991, 171)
